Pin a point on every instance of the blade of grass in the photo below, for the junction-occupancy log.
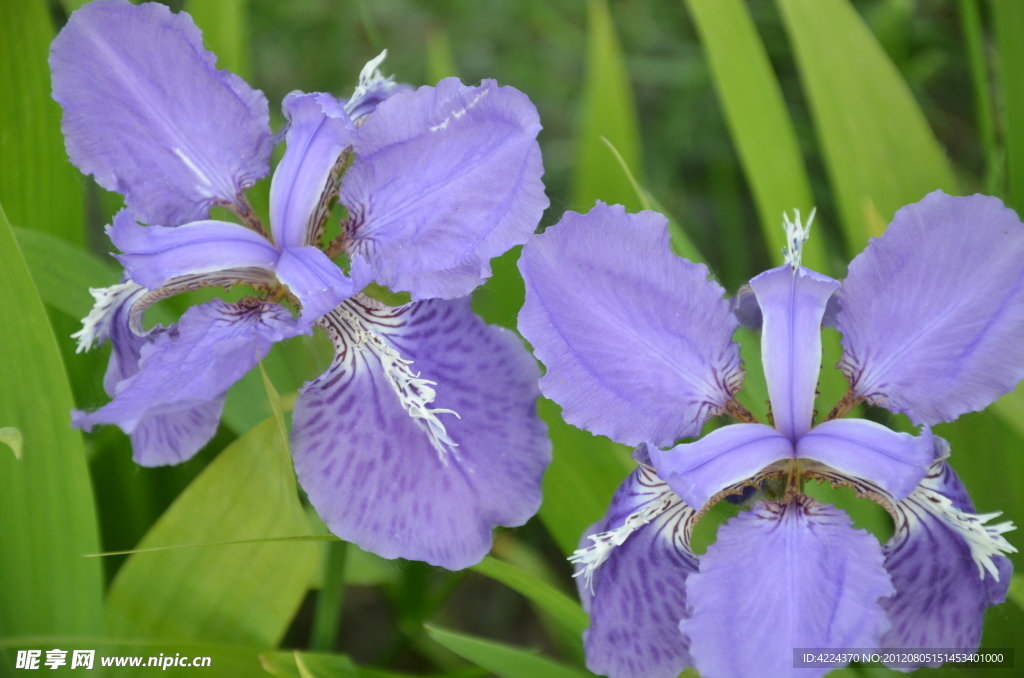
(503, 660)
(1009, 24)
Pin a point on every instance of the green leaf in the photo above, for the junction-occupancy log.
(1009, 23)
(242, 594)
(879, 150)
(503, 660)
(64, 273)
(225, 32)
(584, 474)
(38, 186)
(1016, 593)
(608, 111)
(1011, 409)
(561, 607)
(47, 515)
(758, 121)
(440, 62)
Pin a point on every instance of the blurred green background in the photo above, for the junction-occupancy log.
(720, 113)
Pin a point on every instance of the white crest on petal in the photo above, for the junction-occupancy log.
(797, 234)
(413, 392)
(370, 79)
(96, 325)
(657, 500)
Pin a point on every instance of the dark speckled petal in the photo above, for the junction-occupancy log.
(392, 468)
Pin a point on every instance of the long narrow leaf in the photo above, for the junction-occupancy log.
(561, 607)
(240, 594)
(878, 148)
(1009, 20)
(47, 515)
(758, 120)
(503, 660)
(38, 186)
(608, 111)
(225, 32)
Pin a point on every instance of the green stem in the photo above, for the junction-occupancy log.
(975, 38)
(327, 616)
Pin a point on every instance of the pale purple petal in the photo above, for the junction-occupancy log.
(639, 591)
(793, 303)
(431, 486)
(318, 131)
(153, 255)
(164, 439)
(895, 461)
(316, 280)
(149, 115)
(444, 179)
(933, 311)
(936, 560)
(191, 366)
(784, 576)
(699, 470)
(636, 341)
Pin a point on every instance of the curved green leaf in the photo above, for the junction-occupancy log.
(878, 147)
(241, 594)
(47, 515)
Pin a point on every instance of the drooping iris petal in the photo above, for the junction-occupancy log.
(147, 112)
(400, 473)
(319, 130)
(192, 366)
(153, 255)
(932, 311)
(317, 282)
(895, 461)
(157, 439)
(784, 576)
(793, 303)
(639, 591)
(697, 471)
(946, 564)
(444, 179)
(639, 353)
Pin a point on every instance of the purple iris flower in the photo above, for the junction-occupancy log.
(422, 435)
(638, 347)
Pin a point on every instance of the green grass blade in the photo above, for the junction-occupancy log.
(64, 273)
(583, 476)
(561, 607)
(609, 111)
(47, 514)
(503, 660)
(974, 37)
(440, 62)
(238, 594)
(38, 186)
(877, 146)
(1009, 21)
(758, 121)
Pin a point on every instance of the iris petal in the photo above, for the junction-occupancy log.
(639, 591)
(793, 303)
(422, 435)
(444, 179)
(784, 576)
(314, 279)
(155, 255)
(726, 456)
(147, 112)
(932, 311)
(636, 353)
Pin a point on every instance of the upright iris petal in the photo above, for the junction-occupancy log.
(149, 115)
(602, 310)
